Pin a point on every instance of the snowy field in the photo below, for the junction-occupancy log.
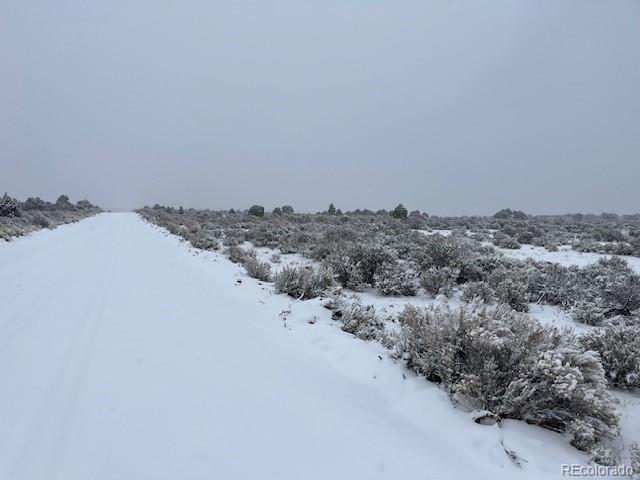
(127, 354)
(565, 256)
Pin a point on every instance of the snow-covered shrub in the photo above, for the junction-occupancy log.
(513, 293)
(63, 203)
(230, 242)
(357, 265)
(287, 209)
(363, 247)
(503, 362)
(439, 252)
(634, 457)
(361, 321)
(239, 255)
(303, 282)
(266, 234)
(257, 269)
(478, 291)
(36, 203)
(621, 296)
(396, 279)
(511, 287)
(505, 241)
(587, 312)
(8, 207)
(619, 350)
(554, 284)
(603, 455)
(41, 221)
(371, 259)
(347, 272)
(17, 219)
(439, 281)
(603, 290)
(203, 241)
(85, 205)
(474, 269)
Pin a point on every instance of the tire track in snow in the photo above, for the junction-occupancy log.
(51, 425)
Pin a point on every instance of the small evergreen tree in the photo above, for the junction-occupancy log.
(63, 203)
(85, 205)
(257, 211)
(399, 212)
(35, 204)
(8, 207)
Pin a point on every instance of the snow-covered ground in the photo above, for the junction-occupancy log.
(564, 256)
(126, 354)
(444, 233)
(554, 315)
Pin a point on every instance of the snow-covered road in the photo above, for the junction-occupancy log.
(123, 355)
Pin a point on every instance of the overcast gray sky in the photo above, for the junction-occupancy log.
(449, 106)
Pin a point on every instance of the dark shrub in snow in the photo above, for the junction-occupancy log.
(84, 205)
(507, 213)
(399, 212)
(257, 211)
(63, 203)
(8, 207)
(36, 203)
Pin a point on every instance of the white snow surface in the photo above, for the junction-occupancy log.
(565, 256)
(125, 354)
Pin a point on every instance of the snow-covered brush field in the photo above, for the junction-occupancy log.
(375, 269)
(125, 352)
(22, 218)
